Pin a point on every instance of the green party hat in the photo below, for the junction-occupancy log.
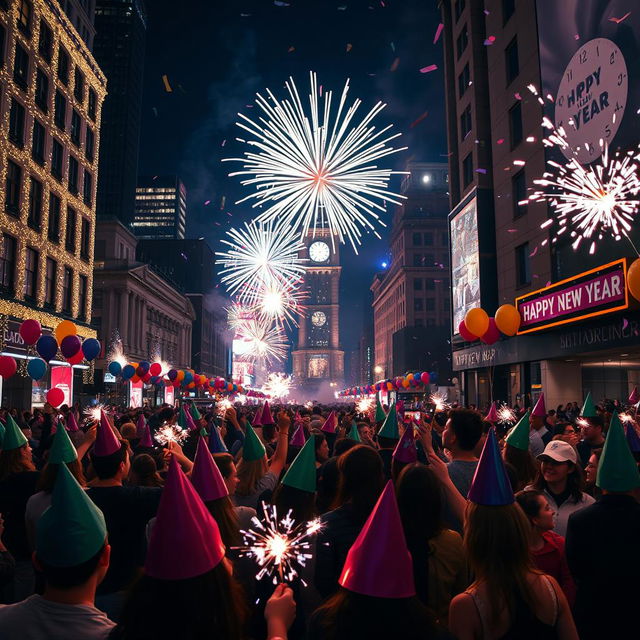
(13, 437)
(2, 432)
(519, 435)
(389, 427)
(182, 419)
(617, 471)
(302, 472)
(353, 433)
(72, 530)
(62, 449)
(204, 433)
(253, 449)
(380, 414)
(195, 414)
(588, 410)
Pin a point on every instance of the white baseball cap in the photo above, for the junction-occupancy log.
(559, 451)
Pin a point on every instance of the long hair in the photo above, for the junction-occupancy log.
(249, 474)
(225, 515)
(523, 463)
(144, 472)
(496, 540)
(301, 503)
(575, 482)
(11, 462)
(49, 473)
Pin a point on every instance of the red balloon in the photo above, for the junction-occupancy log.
(55, 397)
(155, 369)
(30, 331)
(465, 333)
(492, 334)
(146, 377)
(76, 358)
(8, 366)
(425, 377)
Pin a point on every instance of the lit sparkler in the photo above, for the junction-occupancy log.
(170, 433)
(365, 404)
(222, 405)
(116, 351)
(278, 385)
(625, 418)
(440, 401)
(93, 413)
(506, 415)
(316, 167)
(582, 422)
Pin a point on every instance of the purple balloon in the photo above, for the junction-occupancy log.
(70, 346)
(172, 375)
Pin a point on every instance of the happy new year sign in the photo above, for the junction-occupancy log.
(592, 293)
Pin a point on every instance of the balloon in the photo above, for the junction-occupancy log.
(144, 365)
(115, 368)
(91, 348)
(477, 321)
(146, 377)
(405, 383)
(36, 368)
(172, 375)
(77, 358)
(55, 397)
(425, 377)
(64, 329)
(188, 377)
(508, 319)
(155, 369)
(47, 347)
(180, 376)
(467, 336)
(128, 371)
(492, 334)
(410, 376)
(389, 386)
(8, 366)
(633, 279)
(140, 371)
(135, 378)
(70, 345)
(433, 376)
(30, 331)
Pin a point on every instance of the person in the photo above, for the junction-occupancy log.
(72, 553)
(7, 566)
(592, 431)
(566, 432)
(540, 434)
(560, 479)
(591, 472)
(387, 439)
(322, 448)
(546, 547)
(460, 436)
(225, 463)
(144, 472)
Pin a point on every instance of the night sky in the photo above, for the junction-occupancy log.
(217, 55)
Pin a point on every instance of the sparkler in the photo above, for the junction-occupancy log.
(170, 433)
(116, 352)
(316, 167)
(506, 415)
(93, 413)
(222, 405)
(625, 418)
(365, 404)
(440, 401)
(278, 385)
(582, 422)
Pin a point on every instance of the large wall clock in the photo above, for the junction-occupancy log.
(319, 251)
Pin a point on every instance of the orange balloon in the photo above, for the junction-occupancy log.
(508, 319)
(477, 321)
(64, 329)
(633, 279)
(180, 376)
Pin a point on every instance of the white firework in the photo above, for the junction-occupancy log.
(238, 314)
(365, 404)
(262, 340)
(280, 303)
(116, 351)
(317, 167)
(277, 386)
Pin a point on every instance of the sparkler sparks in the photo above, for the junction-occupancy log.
(365, 404)
(116, 352)
(315, 167)
(440, 401)
(170, 433)
(582, 422)
(625, 418)
(222, 405)
(278, 385)
(506, 415)
(93, 413)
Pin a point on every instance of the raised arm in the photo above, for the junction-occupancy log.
(280, 456)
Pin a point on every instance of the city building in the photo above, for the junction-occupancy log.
(505, 249)
(411, 297)
(190, 265)
(161, 208)
(119, 48)
(51, 95)
(81, 13)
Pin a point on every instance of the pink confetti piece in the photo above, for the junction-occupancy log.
(619, 20)
(394, 65)
(500, 140)
(548, 283)
(486, 13)
(419, 119)
(517, 96)
(533, 253)
(206, 202)
(625, 323)
(349, 47)
(438, 32)
(431, 67)
(576, 37)
(489, 41)
(512, 231)
(483, 171)
(320, 91)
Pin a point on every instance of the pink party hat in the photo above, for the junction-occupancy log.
(72, 424)
(185, 541)
(106, 440)
(539, 409)
(298, 438)
(257, 418)
(492, 416)
(205, 475)
(191, 425)
(145, 440)
(634, 396)
(266, 414)
(405, 450)
(490, 485)
(330, 423)
(140, 425)
(379, 563)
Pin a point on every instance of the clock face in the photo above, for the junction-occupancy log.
(319, 251)
(593, 90)
(318, 319)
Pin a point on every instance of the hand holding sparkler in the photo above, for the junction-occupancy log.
(280, 611)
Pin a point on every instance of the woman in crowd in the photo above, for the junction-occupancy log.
(566, 432)
(590, 473)
(321, 447)
(144, 472)
(229, 473)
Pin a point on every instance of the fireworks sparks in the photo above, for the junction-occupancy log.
(237, 315)
(93, 413)
(365, 404)
(261, 340)
(222, 405)
(439, 401)
(280, 303)
(278, 385)
(116, 352)
(279, 546)
(506, 415)
(170, 433)
(314, 168)
(625, 418)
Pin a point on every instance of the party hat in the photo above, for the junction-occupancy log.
(539, 410)
(185, 540)
(389, 427)
(191, 425)
(330, 423)
(617, 471)
(632, 439)
(519, 436)
(141, 422)
(13, 436)
(252, 449)
(379, 564)
(72, 423)
(257, 418)
(297, 419)
(353, 433)
(298, 439)
(302, 473)
(266, 414)
(380, 414)
(588, 410)
(145, 440)
(205, 475)
(405, 450)
(106, 441)
(182, 419)
(2, 432)
(203, 432)
(634, 396)
(195, 414)
(216, 443)
(490, 485)
(400, 407)
(72, 530)
(492, 416)
(62, 450)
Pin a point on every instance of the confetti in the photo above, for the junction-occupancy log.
(279, 3)
(436, 37)
(512, 231)
(431, 67)
(531, 139)
(486, 13)
(207, 202)
(394, 65)
(349, 47)
(224, 142)
(519, 163)
(167, 86)
(483, 171)
(625, 323)
(291, 49)
(576, 37)
(533, 253)
(517, 96)
(619, 20)
(419, 119)
(489, 41)
(500, 140)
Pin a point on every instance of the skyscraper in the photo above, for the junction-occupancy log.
(119, 48)
(161, 208)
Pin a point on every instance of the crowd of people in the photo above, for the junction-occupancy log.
(438, 523)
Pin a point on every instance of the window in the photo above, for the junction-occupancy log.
(463, 41)
(7, 264)
(89, 143)
(519, 194)
(515, 124)
(50, 283)
(57, 155)
(511, 61)
(70, 232)
(417, 304)
(465, 123)
(34, 220)
(67, 290)
(45, 41)
(38, 142)
(42, 91)
(417, 240)
(430, 304)
(78, 85)
(60, 110)
(467, 170)
(73, 176)
(82, 296)
(87, 188)
(31, 273)
(21, 67)
(16, 124)
(417, 284)
(428, 260)
(523, 268)
(459, 8)
(428, 239)
(418, 260)
(24, 17)
(54, 217)
(92, 104)
(85, 236)
(430, 285)
(508, 9)
(463, 80)
(63, 66)
(76, 127)
(12, 191)
(3, 39)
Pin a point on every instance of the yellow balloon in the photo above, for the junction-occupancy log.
(477, 321)
(633, 279)
(64, 329)
(508, 319)
(405, 383)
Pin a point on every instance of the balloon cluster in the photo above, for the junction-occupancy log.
(477, 325)
(410, 381)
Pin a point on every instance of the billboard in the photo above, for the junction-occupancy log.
(62, 378)
(465, 262)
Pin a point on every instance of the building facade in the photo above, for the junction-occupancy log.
(81, 14)
(51, 95)
(161, 208)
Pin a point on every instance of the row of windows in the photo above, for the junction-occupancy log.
(429, 304)
(427, 239)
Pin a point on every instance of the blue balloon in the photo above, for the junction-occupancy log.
(90, 348)
(115, 368)
(433, 377)
(36, 368)
(188, 377)
(128, 371)
(47, 347)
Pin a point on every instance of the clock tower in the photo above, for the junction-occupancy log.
(318, 357)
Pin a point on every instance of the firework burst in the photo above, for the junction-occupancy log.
(277, 386)
(262, 340)
(317, 167)
(170, 433)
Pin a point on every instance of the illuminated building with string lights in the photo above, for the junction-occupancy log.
(51, 92)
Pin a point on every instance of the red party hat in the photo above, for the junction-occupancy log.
(492, 416)
(140, 425)
(539, 409)
(72, 424)
(298, 438)
(257, 418)
(145, 440)
(330, 423)
(266, 414)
